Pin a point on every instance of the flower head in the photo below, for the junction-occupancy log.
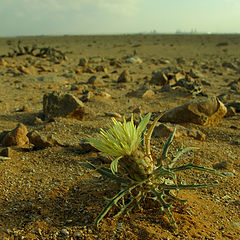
(121, 139)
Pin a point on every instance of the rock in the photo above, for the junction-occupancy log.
(101, 68)
(207, 112)
(96, 59)
(163, 61)
(221, 165)
(16, 137)
(6, 152)
(40, 142)
(164, 130)
(65, 232)
(94, 80)
(134, 59)
(124, 77)
(148, 94)
(104, 95)
(58, 104)
(195, 74)
(83, 62)
(159, 78)
(181, 60)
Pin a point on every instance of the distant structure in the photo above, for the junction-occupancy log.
(192, 31)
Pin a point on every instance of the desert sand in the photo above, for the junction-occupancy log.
(47, 194)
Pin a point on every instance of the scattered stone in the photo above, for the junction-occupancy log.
(87, 96)
(6, 152)
(221, 165)
(16, 137)
(164, 130)
(58, 104)
(148, 94)
(101, 68)
(181, 60)
(94, 80)
(65, 232)
(83, 62)
(96, 59)
(124, 77)
(104, 95)
(164, 61)
(207, 112)
(134, 59)
(195, 74)
(159, 78)
(194, 87)
(40, 142)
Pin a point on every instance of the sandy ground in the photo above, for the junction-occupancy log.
(47, 194)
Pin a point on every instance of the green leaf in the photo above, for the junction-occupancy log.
(105, 172)
(114, 165)
(180, 153)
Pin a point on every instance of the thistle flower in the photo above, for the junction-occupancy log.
(122, 141)
(129, 147)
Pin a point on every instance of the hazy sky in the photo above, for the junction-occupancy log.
(54, 17)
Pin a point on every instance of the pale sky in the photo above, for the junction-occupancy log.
(57, 17)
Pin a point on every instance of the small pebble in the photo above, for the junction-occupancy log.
(65, 231)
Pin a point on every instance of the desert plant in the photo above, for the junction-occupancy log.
(142, 176)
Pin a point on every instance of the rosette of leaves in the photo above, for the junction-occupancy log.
(133, 165)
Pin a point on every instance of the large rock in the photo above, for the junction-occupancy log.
(207, 112)
(16, 137)
(58, 104)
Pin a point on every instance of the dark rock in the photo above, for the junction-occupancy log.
(221, 165)
(124, 77)
(58, 104)
(83, 62)
(94, 80)
(159, 78)
(6, 152)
